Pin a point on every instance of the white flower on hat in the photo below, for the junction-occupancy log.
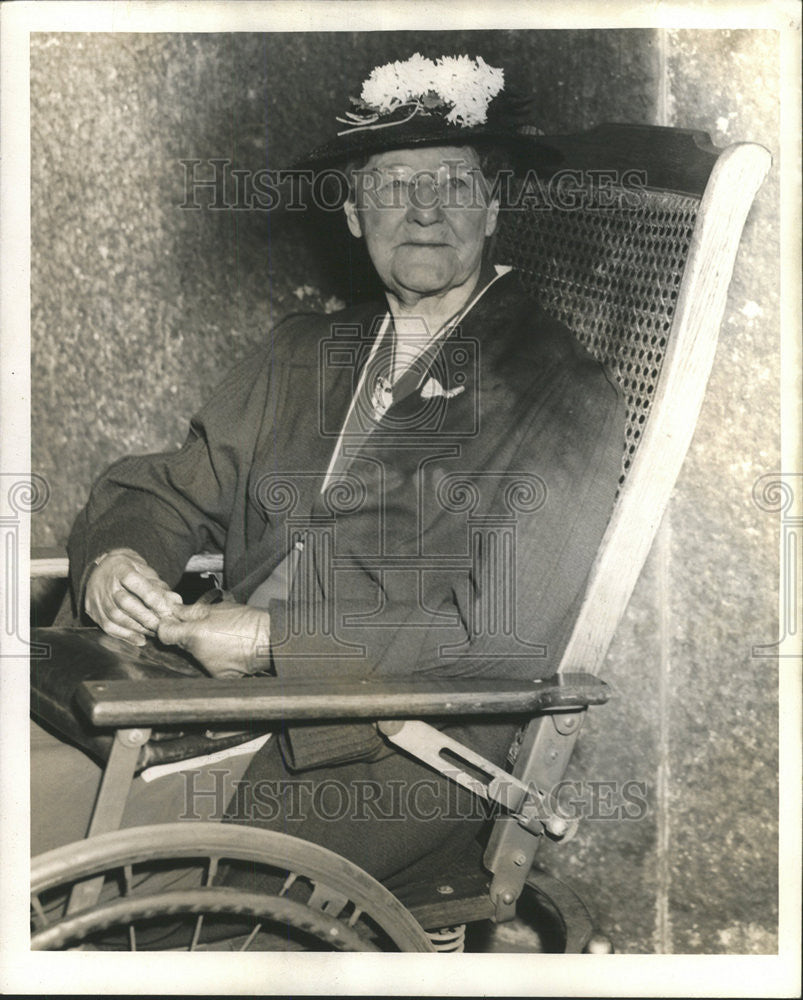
(466, 86)
(399, 83)
(469, 85)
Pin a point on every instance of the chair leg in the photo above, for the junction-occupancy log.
(110, 804)
(543, 759)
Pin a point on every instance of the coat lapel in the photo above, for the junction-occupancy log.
(452, 362)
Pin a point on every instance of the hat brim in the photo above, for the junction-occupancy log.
(529, 149)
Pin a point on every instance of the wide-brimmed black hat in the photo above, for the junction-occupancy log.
(451, 101)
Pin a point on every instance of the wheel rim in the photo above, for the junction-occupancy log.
(229, 902)
(336, 889)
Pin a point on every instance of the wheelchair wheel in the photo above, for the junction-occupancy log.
(165, 887)
(561, 915)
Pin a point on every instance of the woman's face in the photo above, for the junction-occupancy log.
(424, 215)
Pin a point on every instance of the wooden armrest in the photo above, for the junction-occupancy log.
(129, 703)
(53, 562)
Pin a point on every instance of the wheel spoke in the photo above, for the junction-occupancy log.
(251, 937)
(128, 879)
(197, 932)
(287, 883)
(41, 916)
(212, 869)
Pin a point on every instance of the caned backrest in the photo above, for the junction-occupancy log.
(631, 242)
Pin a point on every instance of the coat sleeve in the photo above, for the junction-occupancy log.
(171, 505)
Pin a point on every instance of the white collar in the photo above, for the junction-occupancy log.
(445, 331)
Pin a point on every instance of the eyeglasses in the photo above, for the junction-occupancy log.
(448, 186)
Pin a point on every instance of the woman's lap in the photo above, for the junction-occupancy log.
(388, 815)
(393, 816)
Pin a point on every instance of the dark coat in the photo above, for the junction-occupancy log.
(459, 536)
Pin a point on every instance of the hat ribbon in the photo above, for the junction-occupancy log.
(371, 122)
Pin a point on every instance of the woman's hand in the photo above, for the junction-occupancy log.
(228, 639)
(126, 597)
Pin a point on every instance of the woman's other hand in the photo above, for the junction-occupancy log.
(227, 639)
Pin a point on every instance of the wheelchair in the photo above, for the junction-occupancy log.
(641, 276)
(109, 884)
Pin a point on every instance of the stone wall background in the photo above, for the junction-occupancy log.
(139, 307)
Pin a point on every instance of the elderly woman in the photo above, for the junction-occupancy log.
(411, 487)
